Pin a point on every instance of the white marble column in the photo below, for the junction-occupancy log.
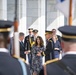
(60, 21)
(3, 9)
(22, 16)
(22, 19)
(41, 22)
(41, 15)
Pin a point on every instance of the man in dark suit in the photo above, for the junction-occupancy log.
(67, 65)
(8, 64)
(21, 43)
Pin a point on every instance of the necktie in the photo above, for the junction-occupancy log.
(22, 43)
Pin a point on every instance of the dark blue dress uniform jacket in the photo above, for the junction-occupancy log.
(27, 43)
(10, 65)
(48, 51)
(54, 69)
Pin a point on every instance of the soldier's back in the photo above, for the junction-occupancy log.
(52, 68)
(10, 65)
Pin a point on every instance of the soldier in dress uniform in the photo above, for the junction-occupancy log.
(28, 42)
(48, 50)
(67, 65)
(8, 64)
(35, 33)
(48, 35)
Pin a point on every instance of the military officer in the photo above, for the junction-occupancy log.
(29, 40)
(35, 33)
(48, 52)
(48, 35)
(8, 64)
(67, 65)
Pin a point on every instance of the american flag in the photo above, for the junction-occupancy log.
(63, 6)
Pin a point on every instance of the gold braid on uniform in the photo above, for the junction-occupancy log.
(48, 62)
(32, 44)
(68, 36)
(51, 61)
(5, 29)
(19, 58)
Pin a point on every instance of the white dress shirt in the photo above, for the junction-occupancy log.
(70, 52)
(3, 50)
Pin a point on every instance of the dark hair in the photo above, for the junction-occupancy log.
(21, 34)
(4, 38)
(41, 41)
(53, 29)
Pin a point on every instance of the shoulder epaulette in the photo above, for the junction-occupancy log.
(19, 58)
(51, 61)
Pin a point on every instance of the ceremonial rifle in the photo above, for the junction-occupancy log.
(16, 34)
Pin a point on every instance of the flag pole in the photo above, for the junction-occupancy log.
(70, 13)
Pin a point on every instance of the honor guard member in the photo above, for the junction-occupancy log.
(67, 65)
(8, 64)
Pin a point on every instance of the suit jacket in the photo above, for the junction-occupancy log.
(54, 69)
(11, 47)
(10, 65)
(27, 42)
(22, 50)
